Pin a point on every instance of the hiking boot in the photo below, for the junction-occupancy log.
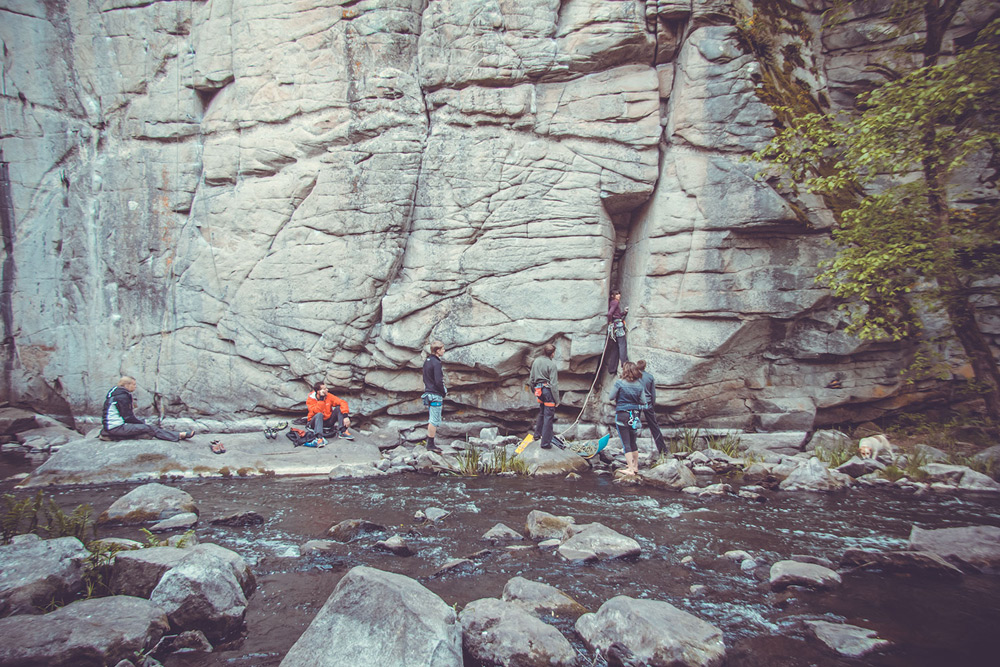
(548, 446)
(346, 435)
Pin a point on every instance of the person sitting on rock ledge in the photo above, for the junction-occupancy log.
(119, 420)
(323, 418)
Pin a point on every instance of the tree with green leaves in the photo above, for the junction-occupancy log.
(907, 240)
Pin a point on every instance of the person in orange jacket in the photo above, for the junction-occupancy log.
(322, 415)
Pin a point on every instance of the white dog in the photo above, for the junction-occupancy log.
(874, 446)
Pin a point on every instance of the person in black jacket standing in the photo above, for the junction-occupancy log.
(434, 391)
(648, 414)
(119, 420)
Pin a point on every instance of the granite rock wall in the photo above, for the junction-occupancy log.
(231, 198)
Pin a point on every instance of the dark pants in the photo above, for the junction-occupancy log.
(649, 419)
(617, 352)
(328, 425)
(626, 432)
(127, 431)
(546, 418)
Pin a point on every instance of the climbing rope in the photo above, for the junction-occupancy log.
(593, 384)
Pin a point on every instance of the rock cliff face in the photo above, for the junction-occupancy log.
(224, 198)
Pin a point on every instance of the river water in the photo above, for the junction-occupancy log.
(930, 622)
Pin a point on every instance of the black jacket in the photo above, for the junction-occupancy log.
(434, 377)
(118, 409)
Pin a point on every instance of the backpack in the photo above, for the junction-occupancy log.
(300, 437)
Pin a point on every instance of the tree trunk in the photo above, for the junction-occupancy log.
(984, 366)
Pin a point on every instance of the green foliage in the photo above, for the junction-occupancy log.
(891, 472)
(469, 462)
(904, 245)
(728, 444)
(835, 456)
(687, 442)
(915, 462)
(40, 514)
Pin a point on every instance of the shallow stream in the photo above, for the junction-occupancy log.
(930, 622)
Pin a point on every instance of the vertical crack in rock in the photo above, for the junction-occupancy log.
(7, 276)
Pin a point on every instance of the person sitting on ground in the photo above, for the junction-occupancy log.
(630, 399)
(323, 418)
(544, 380)
(120, 423)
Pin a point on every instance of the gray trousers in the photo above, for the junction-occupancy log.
(127, 431)
(322, 426)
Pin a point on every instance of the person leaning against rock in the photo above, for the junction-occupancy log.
(544, 381)
(120, 423)
(630, 399)
(648, 414)
(434, 391)
(327, 413)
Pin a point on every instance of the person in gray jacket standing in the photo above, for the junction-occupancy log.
(648, 414)
(544, 381)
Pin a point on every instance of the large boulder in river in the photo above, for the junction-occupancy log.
(138, 572)
(544, 526)
(552, 461)
(975, 547)
(787, 573)
(33, 572)
(147, 503)
(909, 562)
(202, 593)
(671, 474)
(380, 618)
(539, 598)
(651, 632)
(813, 475)
(100, 631)
(847, 640)
(596, 542)
(500, 633)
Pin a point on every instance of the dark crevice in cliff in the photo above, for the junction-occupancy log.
(7, 276)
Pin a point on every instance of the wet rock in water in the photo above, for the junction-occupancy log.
(573, 477)
(435, 514)
(15, 420)
(147, 503)
(500, 633)
(100, 631)
(395, 545)
(380, 618)
(910, 562)
(541, 525)
(697, 590)
(737, 555)
(364, 470)
(239, 519)
(973, 547)
(847, 640)
(598, 542)
(244, 575)
(942, 472)
(750, 494)
(719, 489)
(176, 522)
(671, 474)
(787, 573)
(538, 598)
(317, 546)
(622, 477)
(813, 475)
(455, 566)
(856, 466)
(35, 571)
(138, 572)
(653, 633)
(189, 641)
(501, 534)
(552, 461)
(815, 560)
(351, 529)
(977, 481)
(748, 565)
(687, 560)
(553, 543)
(202, 593)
